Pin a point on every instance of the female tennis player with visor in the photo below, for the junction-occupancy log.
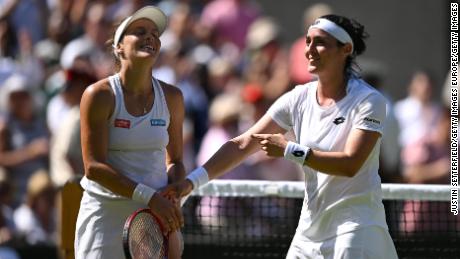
(338, 121)
(132, 143)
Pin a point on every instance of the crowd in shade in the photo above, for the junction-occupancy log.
(227, 57)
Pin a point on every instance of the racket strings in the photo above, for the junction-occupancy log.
(146, 238)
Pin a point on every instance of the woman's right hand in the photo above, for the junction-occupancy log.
(168, 212)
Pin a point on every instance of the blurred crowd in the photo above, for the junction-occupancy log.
(230, 61)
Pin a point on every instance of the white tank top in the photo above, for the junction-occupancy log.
(137, 144)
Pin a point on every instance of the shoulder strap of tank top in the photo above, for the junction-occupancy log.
(114, 81)
(158, 89)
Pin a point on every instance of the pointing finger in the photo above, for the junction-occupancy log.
(260, 136)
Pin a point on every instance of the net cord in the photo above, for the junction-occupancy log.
(290, 189)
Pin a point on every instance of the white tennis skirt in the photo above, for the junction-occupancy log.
(99, 230)
(371, 242)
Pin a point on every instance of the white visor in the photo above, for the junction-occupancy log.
(152, 13)
(334, 30)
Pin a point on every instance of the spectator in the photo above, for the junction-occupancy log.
(17, 48)
(97, 28)
(222, 77)
(195, 99)
(429, 158)
(60, 28)
(429, 164)
(28, 15)
(23, 135)
(224, 115)
(417, 115)
(66, 157)
(179, 33)
(75, 57)
(228, 21)
(35, 217)
(268, 61)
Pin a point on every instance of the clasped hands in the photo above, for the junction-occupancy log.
(272, 144)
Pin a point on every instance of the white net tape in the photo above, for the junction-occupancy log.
(249, 188)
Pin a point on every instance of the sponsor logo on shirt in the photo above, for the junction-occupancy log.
(121, 123)
(339, 120)
(157, 122)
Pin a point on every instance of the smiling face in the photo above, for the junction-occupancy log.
(140, 41)
(324, 53)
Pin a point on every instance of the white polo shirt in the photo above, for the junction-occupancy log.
(334, 204)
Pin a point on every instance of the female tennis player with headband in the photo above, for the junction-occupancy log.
(132, 142)
(338, 121)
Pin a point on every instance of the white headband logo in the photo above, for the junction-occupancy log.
(334, 30)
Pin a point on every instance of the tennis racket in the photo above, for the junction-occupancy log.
(143, 236)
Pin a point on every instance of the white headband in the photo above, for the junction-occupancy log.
(334, 30)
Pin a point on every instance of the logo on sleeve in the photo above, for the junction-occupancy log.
(157, 122)
(371, 120)
(121, 123)
(339, 120)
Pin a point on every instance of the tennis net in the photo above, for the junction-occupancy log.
(257, 219)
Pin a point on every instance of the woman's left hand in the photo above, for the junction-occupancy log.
(272, 144)
(177, 191)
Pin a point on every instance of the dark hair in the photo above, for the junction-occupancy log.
(357, 34)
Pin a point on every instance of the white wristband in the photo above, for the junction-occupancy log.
(198, 177)
(143, 193)
(296, 153)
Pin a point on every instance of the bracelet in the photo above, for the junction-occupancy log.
(198, 177)
(296, 152)
(143, 193)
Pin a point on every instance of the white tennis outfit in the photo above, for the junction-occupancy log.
(137, 149)
(341, 217)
